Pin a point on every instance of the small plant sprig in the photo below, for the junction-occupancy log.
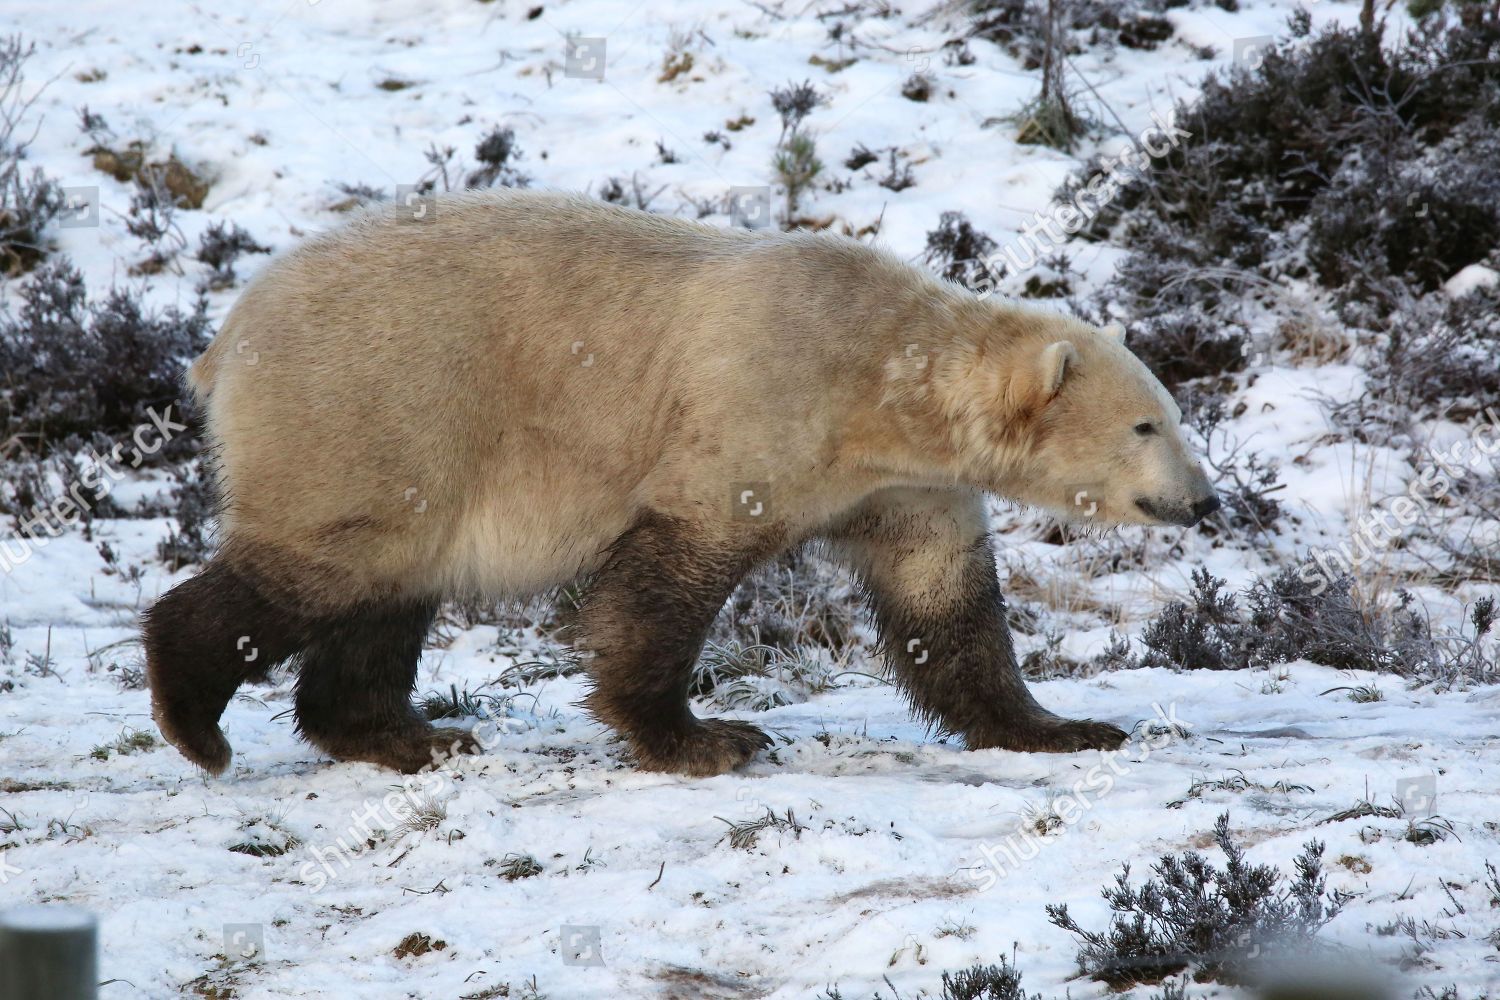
(796, 160)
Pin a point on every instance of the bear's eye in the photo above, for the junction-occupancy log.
(1145, 429)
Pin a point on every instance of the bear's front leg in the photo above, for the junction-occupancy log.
(925, 561)
(645, 615)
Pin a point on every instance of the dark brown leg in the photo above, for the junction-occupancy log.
(355, 685)
(204, 638)
(644, 618)
(926, 564)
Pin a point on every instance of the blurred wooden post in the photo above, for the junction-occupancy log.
(48, 952)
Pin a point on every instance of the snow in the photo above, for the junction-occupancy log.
(641, 894)
(1469, 279)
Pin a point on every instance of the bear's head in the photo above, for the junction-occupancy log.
(1061, 415)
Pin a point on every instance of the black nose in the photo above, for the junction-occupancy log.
(1205, 507)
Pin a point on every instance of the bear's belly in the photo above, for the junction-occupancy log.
(517, 542)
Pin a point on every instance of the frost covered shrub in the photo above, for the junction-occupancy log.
(1020, 26)
(1205, 635)
(956, 250)
(220, 247)
(1294, 615)
(497, 154)
(1438, 351)
(1294, 619)
(29, 200)
(986, 982)
(1420, 219)
(152, 219)
(1364, 168)
(1287, 141)
(1449, 992)
(195, 507)
(1243, 480)
(1454, 659)
(1302, 614)
(798, 601)
(794, 102)
(1246, 494)
(1186, 342)
(1175, 308)
(796, 160)
(1299, 615)
(1218, 924)
(91, 369)
(30, 484)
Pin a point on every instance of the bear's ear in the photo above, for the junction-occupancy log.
(1114, 331)
(1034, 385)
(1053, 366)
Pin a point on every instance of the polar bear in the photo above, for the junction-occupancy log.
(505, 392)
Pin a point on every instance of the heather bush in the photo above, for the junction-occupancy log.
(956, 250)
(1301, 613)
(497, 154)
(986, 982)
(1437, 352)
(194, 510)
(1363, 168)
(220, 247)
(1206, 634)
(1244, 480)
(94, 369)
(1217, 924)
(798, 601)
(29, 200)
(1020, 26)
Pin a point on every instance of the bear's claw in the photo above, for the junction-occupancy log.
(1049, 735)
(200, 741)
(408, 750)
(709, 747)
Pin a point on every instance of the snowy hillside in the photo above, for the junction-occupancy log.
(860, 856)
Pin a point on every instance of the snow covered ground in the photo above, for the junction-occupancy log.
(294, 877)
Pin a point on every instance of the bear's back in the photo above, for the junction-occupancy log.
(516, 352)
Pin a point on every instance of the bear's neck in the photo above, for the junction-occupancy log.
(932, 389)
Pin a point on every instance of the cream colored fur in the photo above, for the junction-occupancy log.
(485, 401)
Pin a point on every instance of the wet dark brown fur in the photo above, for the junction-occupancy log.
(946, 639)
(356, 670)
(644, 618)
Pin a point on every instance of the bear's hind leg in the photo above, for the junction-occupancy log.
(355, 684)
(645, 616)
(204, 638)
(925, 561)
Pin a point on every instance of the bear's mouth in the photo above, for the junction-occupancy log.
(1183, 514)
